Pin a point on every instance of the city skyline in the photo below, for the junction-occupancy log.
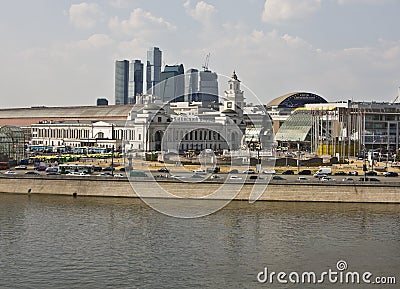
(57, 53)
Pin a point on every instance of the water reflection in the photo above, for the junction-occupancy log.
(57, 241)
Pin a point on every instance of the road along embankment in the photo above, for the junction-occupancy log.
(274, 191)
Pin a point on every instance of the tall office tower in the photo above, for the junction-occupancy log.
(135, 80)
(208, 86)
(121, 81)
(191, 84)
(153, 68)
(172, 84)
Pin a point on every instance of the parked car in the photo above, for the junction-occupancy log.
(269, 172)
(353, 173)
(97, 169)
(199, 171)
(340, 173)
(10, 173)
(119, 176)
(391, 174)
(348, 180)
(302, 179)
(305, 172)
(371, 173)
(326, 171)
(163, 170)
(234, 171)
(249, 171)
(288, 172)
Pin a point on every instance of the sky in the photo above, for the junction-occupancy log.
(58, 53)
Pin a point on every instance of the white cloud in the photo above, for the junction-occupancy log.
(344, 2)
(85, 15)
(140, 23)
(96, 41)
(277, 11)
(202, 11)
(119, 3)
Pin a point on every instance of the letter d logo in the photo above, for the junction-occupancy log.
(262, 276)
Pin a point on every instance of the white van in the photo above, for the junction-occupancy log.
(323, 171)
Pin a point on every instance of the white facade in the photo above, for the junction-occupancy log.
(168, 127)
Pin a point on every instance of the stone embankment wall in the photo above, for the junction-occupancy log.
(279, 191)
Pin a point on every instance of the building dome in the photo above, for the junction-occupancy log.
(296, 99)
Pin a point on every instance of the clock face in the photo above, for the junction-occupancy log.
(229, 105)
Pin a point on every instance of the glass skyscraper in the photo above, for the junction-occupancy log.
(135, 80)
(121, 81)
(153, 68)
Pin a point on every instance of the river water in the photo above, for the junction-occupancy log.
(65, 242)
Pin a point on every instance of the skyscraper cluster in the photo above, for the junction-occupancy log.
(170, 85)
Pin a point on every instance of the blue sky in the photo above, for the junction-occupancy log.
(63, 52)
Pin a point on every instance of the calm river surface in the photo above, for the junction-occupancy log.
(62, 242)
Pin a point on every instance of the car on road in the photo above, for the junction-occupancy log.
(305, 172)
(108, 169)
(53, 174)
(371, 173)
(104, 175)
(348, 180)
(21, 167)
(340, 173)
(199, 171)
(41, 168)
(32, 173)
(320, 175)
(163, 170)
(254, 177)
(369, 179)
(10, 173)
(353, 173)
(269, 172)
(52, 170)
(278, 178)
(302, 179)
(249, 171)
(288, 172)
(215, 177)
(78, 174)
(327, 179)
(235, 178)
(119, 176)
(391, 174)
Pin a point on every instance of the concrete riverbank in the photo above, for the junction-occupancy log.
(275, 191)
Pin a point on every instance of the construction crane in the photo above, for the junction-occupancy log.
(398, 95)
(205, 66)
